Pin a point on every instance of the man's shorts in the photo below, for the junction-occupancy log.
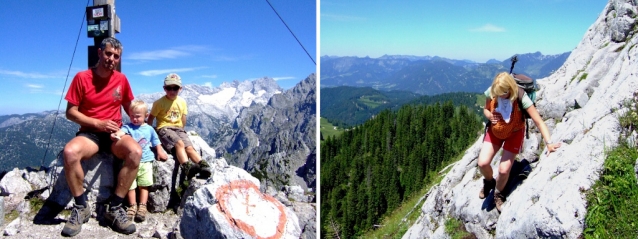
(169, 136)
(101, 139)
(144, 175)
(512, 144)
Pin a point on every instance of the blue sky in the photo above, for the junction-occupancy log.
(206, 42)
(473, 30)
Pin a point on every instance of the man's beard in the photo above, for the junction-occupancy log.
(109, 66)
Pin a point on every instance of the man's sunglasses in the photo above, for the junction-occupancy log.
(173, 88)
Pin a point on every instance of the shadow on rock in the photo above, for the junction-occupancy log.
(47, 214)
(519, 172)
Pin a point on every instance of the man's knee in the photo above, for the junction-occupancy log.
(71, 153)
(136, 155)
(133, 155)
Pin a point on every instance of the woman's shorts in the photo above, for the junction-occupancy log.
(512, 144)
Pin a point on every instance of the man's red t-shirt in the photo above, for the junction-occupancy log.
(99, 100)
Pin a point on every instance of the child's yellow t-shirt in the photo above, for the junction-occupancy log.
(169, 112)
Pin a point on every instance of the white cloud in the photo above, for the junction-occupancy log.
(231, 58)
(209, 84)
(34, 86)
(172, 53)
(157, 55)
(25, 74)
(283, 78)
(488, 28)
(191, 48)
(166, 71)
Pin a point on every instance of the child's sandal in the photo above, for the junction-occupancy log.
(130, 212)
(141, 213)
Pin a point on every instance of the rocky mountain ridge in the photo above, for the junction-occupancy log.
(580, 102)
(277, 141)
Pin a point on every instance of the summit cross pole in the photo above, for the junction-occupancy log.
(101, 22)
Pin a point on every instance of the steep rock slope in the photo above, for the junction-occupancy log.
(599, 76)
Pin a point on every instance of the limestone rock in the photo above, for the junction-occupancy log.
(13, 228)
(551, 202)
(231, 205)
(620, 18)
(307, 214)
(14, 187)
(264, 212)
(99, 179)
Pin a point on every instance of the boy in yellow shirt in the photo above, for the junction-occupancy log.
(171, 112)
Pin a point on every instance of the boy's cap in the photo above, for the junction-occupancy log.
(173, 79)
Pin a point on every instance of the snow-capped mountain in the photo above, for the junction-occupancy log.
(257, 126)
(211, 111)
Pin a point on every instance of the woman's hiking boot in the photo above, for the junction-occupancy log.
(499, 199)
(141, 213)
(487, 186)
(131, 211)
(79, 215)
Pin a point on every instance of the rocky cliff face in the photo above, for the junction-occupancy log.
(277, 142)
(599, 75)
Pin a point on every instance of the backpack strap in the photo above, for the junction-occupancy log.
(524, 114)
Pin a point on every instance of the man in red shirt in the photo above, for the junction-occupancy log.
(95, 98)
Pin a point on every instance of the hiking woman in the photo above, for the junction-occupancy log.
(506, 129)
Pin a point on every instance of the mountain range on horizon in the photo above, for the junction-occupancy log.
(537, 55)
(429, 75)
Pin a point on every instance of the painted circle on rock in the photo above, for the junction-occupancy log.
(253, 212)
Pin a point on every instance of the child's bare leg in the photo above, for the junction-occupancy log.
(143, 195)
(140, 216)
(131, 197)
(192, 154)
(180, 152)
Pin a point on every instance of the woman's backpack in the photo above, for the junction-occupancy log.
(525, 85)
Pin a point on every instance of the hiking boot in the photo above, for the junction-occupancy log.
(141, 213)
(205, 170)
(487, 186)
(190, 169)
(79, 214)
(131, 211)
(116, 217)
(499, 199)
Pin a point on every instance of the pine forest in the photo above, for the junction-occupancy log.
(368, 171)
